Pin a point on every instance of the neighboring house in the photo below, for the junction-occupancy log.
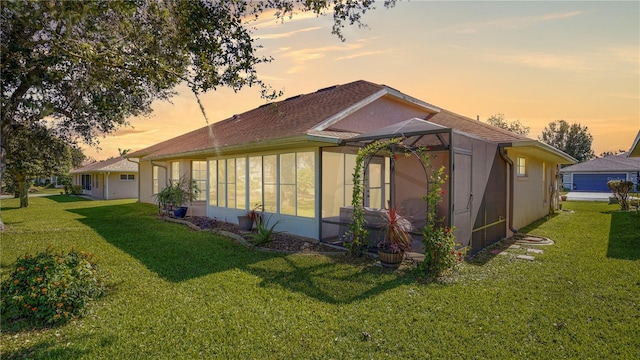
(295, 157)
(593, 175)
(115, 178)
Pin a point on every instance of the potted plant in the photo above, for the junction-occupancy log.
(397, 240)
(173, 197)
(245, 222)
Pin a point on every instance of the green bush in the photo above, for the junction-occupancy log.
(51, 288)
(76, 189)
(621, 189)
(441, 255)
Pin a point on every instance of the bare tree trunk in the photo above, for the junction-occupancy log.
(3, 168)
(23, 191)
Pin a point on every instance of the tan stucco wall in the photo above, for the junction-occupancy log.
(380, 113)
(120, 189)
(411, 186)
(530, 201)
(145, 176)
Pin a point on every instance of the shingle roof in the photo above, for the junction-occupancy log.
(294, 116)
(475, 127)
(111, 165)
(303, 116)
(620, 162)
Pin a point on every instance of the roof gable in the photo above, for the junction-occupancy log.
(117, 164)
(620, 162)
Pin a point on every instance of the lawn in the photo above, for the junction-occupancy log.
(176, 293)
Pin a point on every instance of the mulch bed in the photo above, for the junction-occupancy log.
(280, 242)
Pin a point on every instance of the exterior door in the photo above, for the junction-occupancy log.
(375, 194)
(462, 197)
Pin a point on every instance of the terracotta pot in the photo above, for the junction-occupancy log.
(390, 259)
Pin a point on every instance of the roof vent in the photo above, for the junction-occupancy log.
(327, 88)
(292, 98)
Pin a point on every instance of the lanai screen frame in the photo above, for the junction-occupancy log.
(414, 133)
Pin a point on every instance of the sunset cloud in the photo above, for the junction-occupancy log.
(539, 60)
(287, 34)
(507, 23)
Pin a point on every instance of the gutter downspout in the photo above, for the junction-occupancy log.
(510, 168)
(166, 171)
(106, 185)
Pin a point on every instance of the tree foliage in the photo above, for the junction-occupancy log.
(515, 126)
(574, 139)
(33, 152)
(609, 153)
(82, 68)
(89, 65)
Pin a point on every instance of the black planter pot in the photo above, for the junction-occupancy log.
(245, 223)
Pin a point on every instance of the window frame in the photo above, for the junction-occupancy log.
(522, 167)
(199, 176)
(261, 177)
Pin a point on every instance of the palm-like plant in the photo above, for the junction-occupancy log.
(264, 232)
(397, 237)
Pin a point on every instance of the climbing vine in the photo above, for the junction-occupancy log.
(357, 230)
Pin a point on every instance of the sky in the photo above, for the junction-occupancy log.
(536, 62)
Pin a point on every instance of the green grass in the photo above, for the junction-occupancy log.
(177, 293)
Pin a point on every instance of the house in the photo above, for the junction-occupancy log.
(635, 147)
(115, 178)
(593, 175)
(295, 158)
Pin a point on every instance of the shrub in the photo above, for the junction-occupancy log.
(264, 232)
(441, 256)
(51, 288)
(76, 189)
(621, 189)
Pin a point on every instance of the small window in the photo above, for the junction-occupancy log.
(127, 177)
(521, 167)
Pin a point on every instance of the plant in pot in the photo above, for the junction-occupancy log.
(245, 222)
(173, 197)
(397, 240)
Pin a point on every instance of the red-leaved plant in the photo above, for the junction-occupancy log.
(397, 237)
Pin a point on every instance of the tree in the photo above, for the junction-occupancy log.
(82, 68)
(41, 153)
(609, 153)
(77, 157)
(574, 139)
(516, 126)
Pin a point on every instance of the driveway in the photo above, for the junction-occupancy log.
(588, 196)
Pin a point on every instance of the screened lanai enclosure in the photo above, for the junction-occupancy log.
(474, 195)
